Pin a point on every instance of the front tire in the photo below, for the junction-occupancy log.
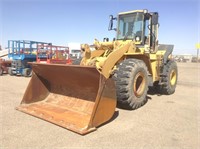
(131, 84)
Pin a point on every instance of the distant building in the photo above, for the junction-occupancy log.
(74, 50)
(183, 58)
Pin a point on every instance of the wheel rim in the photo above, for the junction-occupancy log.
(173, 77)
(139, 84)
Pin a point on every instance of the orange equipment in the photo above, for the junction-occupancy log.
(47, 53)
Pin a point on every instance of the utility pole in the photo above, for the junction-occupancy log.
(198, 47)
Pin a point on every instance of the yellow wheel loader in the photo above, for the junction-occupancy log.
(82, 97)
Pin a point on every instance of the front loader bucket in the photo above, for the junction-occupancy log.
(74, 97)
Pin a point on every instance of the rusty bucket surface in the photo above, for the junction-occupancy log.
(75, 97)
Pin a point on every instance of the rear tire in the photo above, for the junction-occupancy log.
(131, 84)
(169, 78)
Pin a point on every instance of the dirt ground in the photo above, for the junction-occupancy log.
(165, 122)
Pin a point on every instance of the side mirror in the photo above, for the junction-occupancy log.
(110, 27)
(155, 18)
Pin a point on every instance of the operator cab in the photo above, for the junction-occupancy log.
(130, 27)
(139, 25)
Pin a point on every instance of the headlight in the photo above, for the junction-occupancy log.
(137, 38)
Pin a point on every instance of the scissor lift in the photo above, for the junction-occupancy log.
(21, 52)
